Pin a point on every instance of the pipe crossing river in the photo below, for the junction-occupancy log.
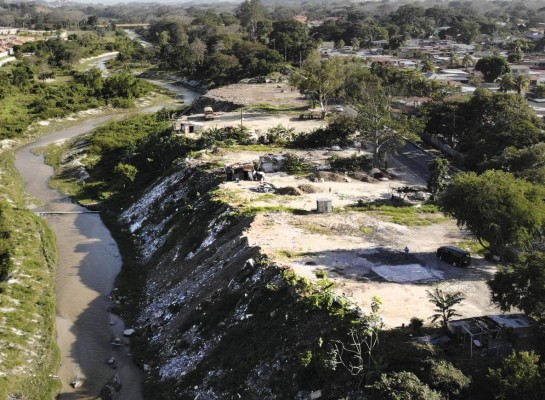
(89, 261)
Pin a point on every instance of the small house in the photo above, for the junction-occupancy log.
(240, 172)
(517, 70)
(183, 125)
(271, 163)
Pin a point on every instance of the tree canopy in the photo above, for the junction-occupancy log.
(492, 67)
(485, 124)
(521, 285)
(496, 207)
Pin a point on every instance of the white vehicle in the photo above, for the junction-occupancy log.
(337, 108)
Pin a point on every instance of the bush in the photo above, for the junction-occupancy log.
(445, 377)
(352, 163)
(120, 102)
(416, 324)
(296, 165)
(403, 386)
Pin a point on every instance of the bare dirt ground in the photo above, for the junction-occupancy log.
(275, 94)
(356, 248)
(353, 245)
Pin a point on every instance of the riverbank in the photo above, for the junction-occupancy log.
(29, 355)
(33, 372)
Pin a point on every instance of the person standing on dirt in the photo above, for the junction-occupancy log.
(406, 250)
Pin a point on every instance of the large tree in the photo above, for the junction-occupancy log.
(320, 79)
(527, 163)
(291, 39)
(521, 285)
(492, 67)
(520, 376)
(483, 125)
(375, 122)
(250, 13)
(497, 207)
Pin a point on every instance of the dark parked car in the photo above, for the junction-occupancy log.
(454, 256)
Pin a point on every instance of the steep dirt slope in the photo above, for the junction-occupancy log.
(217, 320)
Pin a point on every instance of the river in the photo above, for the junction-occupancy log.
(89, 261)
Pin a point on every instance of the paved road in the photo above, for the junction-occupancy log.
(414, 161)
(411, 158)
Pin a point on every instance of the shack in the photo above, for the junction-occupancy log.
(271, 163)
(240, 172)
(184, 126)
(494, 335)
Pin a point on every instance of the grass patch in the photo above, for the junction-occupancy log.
(473, 246)
(425, 215)
(287, 254)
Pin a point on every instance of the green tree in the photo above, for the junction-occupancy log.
(539, 91)
(291, 38)
(506, 82)
(492, 67)
(198, 50)
(375, 122)
(124, 85)
(521, 83)
(441, 375)
(438, 175)
(520, 377)
(403, 386)
(466, 31)
(453, 61)
(467, 61)
(521, 285)
(355, 42)
(126, 173)
(427, 65)
(250, 13)
(320, 79)
(526, 163)
(22, 75)
(485, 124)
(444, 305)
(497, 207)
(92, 78)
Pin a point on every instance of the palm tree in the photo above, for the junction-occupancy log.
(521, 83)
(444, 303)
(507, 83)
(468, 61)
(453, 61)
(356, 42)
(427, 66)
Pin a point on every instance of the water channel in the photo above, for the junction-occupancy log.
(89, 261)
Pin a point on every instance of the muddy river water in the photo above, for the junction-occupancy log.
(89, 261)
